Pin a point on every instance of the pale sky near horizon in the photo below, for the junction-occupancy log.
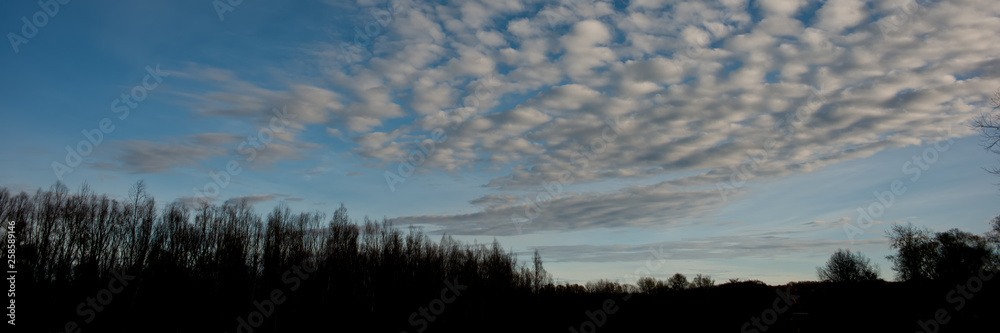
(609, 135)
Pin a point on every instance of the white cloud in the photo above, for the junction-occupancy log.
(837, 15)
(781, 7)
(701, 83)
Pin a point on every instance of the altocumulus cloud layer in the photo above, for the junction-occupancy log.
(561, 94)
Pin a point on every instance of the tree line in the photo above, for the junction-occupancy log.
(922, 256)
(215, 262)
(110, 265)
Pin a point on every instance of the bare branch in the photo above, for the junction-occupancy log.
(989, 127)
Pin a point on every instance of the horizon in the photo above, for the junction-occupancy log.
(736, 139)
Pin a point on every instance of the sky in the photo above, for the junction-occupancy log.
(734, 138)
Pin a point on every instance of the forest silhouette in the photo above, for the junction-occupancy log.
(89, 263)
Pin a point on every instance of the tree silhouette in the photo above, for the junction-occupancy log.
(845, 266)
(988, 126)
(604, 286)
(228, 256)
(232, 261)
(950, 255)
(646, 284)
(960, 255)
(702, 281)
(539, 278)
(916, 250)
(677, 282)
(994, 234)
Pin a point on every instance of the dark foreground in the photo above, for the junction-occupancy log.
(143, 306)
(86, 263)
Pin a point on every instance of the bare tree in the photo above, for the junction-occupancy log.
(540, 278)
(646, 284)
(915, 260)
(702, 281)
(845, 266)
(226, 256)
(994, 234)
(949, 255)
(604, 286)
(989, 127)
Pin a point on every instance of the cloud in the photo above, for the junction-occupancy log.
(528, 89)
(836, 15)
(781, 7)
(825, 224)
(714, 247)
(136, 156)
(637, 206)
(194, 202)
(148, 157)
(215, 139)
(702, 95)
(254, 199)
(846, 220)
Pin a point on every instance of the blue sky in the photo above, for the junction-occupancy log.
(609, 135)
